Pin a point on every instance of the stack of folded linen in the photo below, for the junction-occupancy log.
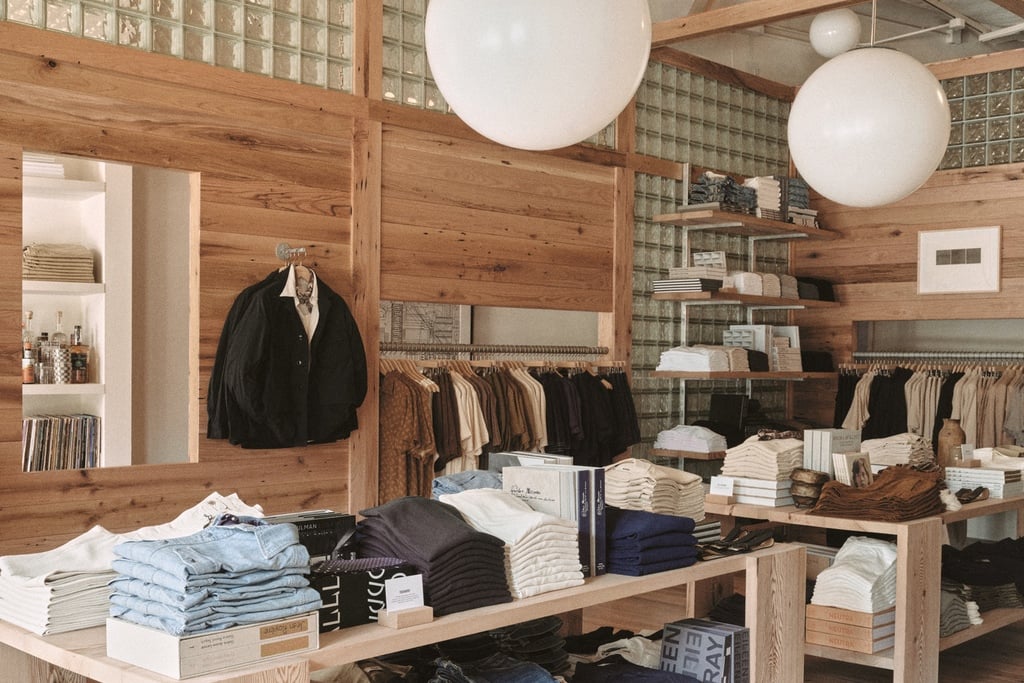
(462, 567)
(695, 359)
(637, 484)
(862, 578)
(237, 571)
(771, 459)
(690, 438)
(789, 286)
(744, 282)
(642, 543)
(542, 551)
(771, 285)
(67, 588)
(769, 196)
(898, 449)
(59, 262)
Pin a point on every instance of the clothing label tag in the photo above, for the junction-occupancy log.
(404, 592)
(722, 486)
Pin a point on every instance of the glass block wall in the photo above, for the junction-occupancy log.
(306, 41)
(689, 118)
(987, 112)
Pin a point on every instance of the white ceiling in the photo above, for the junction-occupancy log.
(780, 50)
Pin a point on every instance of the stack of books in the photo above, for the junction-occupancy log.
(1000, 483)
(60, 442)
(687, 284)
(769, 492)
(820, 444)
(845, 629)
(709, 651)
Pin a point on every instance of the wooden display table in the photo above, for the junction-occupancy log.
(774, 587)
(915, 655)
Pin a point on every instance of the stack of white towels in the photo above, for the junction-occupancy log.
(771, 285)
(695, 359)
(772, 459)
(862, 578)
(67, 588)
(541, 551)
(638, 484)
(692, 438)
(60, 262)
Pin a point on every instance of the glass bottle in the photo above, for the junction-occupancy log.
(79, 357)
(28, 351)
(59, 339)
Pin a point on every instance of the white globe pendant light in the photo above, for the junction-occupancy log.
(835, 32)
(869, 127)
(538, 74)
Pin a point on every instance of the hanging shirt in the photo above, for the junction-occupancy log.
(305, 291)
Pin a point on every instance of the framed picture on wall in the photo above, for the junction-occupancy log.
(957, 261)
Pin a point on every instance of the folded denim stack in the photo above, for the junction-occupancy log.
(542, 551)
(462, 567)
(642, 543)
(67, 588)
(536, 641)
(637, 484)
(769, 459)
(862, 578)
(239, 570)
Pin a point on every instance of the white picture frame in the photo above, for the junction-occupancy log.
(958, 261)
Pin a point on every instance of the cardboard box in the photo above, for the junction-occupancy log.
(353, 590)
(709, 651)
(187, 656)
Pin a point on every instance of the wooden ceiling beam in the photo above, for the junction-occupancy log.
(753, 13)
(1015, 6)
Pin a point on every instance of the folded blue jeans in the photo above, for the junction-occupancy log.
(496, 668)
(237, 548)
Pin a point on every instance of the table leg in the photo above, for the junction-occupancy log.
(918, 584)
(775, 616)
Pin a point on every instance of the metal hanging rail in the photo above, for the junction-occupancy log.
(493, 349)
(941, 356)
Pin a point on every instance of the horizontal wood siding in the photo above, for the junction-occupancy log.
(275, 165)
(874, 265)
(470, 223)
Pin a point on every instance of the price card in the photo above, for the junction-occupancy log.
(404, 592)
(722, 486)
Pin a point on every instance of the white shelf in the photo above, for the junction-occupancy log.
(91, 389)
(66, 288)
(61, 188)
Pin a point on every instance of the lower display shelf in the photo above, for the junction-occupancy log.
(880, 660)
(773, 585)
(993, 620)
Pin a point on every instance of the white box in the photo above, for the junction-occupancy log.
(820, 444)
(187, 656)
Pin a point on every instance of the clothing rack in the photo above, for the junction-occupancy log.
(505, 351)
(994, 357)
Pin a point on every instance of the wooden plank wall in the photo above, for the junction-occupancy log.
(468, 222)
(875, 265)
(275, 165)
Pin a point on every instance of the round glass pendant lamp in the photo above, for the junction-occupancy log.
(868, 127)
(537, 74)
(835, 32)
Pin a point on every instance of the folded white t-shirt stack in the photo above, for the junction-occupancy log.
(898, 449)
(638, 484)
(772, 459)
(694, 359)
(862, 578)
(542, 552)
(744, 282)
(690, 438)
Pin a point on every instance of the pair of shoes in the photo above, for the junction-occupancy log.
(966, 496)
(737, 541)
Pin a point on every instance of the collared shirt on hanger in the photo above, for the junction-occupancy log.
(306, 295)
